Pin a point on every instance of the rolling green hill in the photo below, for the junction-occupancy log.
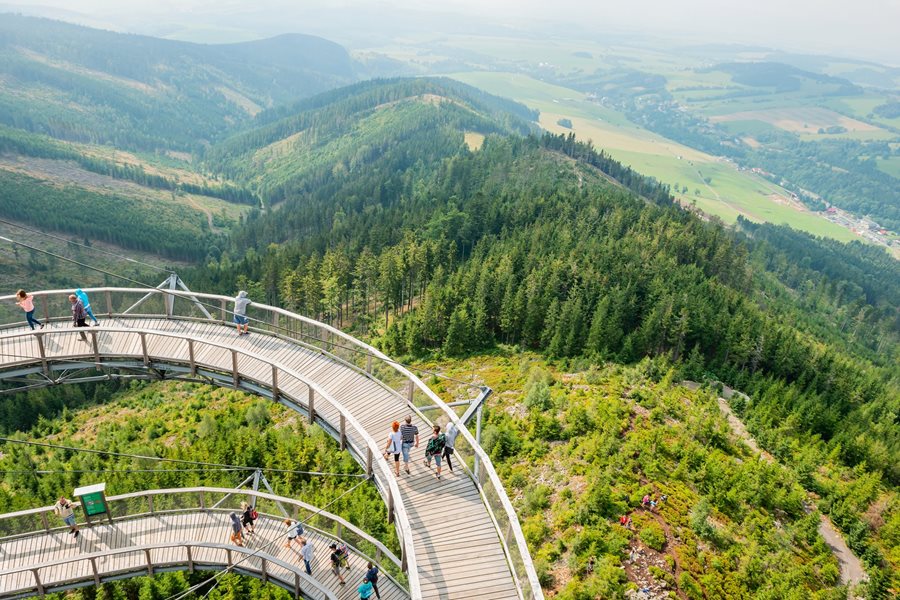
(140, 92)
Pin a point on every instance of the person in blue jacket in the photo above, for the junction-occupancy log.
(82, 295)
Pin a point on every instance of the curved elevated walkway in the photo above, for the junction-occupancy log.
(459, 535)
(171, 538)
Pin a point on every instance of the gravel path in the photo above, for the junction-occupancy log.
(852, 571)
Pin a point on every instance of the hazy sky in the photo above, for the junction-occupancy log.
(856, 28)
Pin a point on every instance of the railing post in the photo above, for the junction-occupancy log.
(95, 346)
(190, 559)
(222, 308)
(149, 563)
(202, 498)
(108, 303)
(150, 503)
(478, 441)
(37, 581)
(275, 320)
(404, 567)
(296, 586)
(410, 391)
(192, 358)
(368, 462)
(378, 554)
(96, 572)
(275, 393)
(390, 505)
(228, 555)
(311, 404)
(369, 364)
(170, 297)
(45, 522)
(44, 365)
(144, 349)
(265, 573)
(236, 378)
(343, 432)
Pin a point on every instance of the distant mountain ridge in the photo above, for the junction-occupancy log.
(140, 92)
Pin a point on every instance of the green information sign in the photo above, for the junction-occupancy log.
(93, 504)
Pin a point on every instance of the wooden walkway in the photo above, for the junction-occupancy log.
(458, 551)
(164, 537)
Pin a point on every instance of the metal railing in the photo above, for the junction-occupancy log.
(167, 303)
(87, 571)
(135, 505)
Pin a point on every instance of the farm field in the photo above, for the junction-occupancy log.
(862, 107)
(729, 192)
(891, 166)
(807, 121)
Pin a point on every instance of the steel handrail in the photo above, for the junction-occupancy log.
(295, 569)
(371, 446)
(368, 350)
(219, 490)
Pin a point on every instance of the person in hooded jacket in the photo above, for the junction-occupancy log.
(241, 302)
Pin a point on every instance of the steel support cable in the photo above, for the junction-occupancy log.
(95, 249)
(215, 307)
(175, 460)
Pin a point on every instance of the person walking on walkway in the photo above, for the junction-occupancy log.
(241, 302)
(294, 531)
(394, 443)
(247, 518)
(435, 448)
(82, 295)
(78, 315)
(336, 562)
(365, 589)
(449, 442)
(26, 303)
(306, 552)
(372, 576)
(64, 510)
(236, 528)
(409, 435)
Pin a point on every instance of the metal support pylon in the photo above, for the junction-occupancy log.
(172, 282)
(253, 481)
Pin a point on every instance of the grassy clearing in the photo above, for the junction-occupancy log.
(68, 174)
(474, 140)
(891, 166)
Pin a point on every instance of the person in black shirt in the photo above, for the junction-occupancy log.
(409, 435)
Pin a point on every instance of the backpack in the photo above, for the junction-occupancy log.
(299, 528)
(436, 445)
(254, 515)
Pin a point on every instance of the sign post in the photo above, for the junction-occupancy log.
(93, 501)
